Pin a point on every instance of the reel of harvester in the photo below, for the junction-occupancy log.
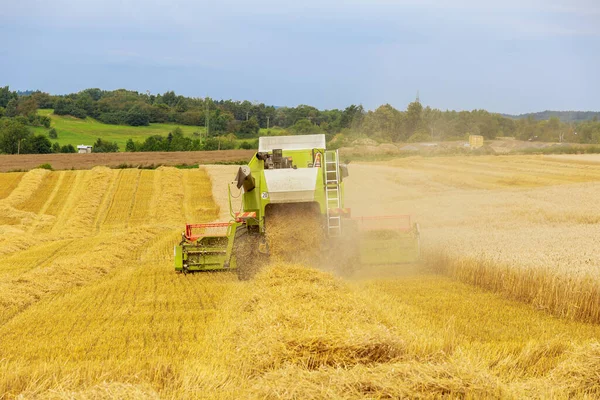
(214, 246)
(206, 247)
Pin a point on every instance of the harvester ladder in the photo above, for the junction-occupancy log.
(332, 192)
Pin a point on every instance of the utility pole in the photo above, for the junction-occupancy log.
(268, 122)
(207, 117)
(247, 115)
(19, 147)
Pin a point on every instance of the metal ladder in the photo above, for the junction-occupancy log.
(332, 192)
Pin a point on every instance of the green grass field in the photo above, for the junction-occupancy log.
(77, 131)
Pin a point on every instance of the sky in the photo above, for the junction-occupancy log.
(508, 56)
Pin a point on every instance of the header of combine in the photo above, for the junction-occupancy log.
(286, 171)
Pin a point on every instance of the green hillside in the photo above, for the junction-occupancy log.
(77, 131)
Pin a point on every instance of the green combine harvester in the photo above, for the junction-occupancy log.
(287, 172)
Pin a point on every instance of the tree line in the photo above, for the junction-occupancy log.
(564, 116)
(226, 120)
(176, 141)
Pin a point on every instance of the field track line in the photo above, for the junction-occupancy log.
(155, 194)
(11, 185)
(107, 200)
(143, 197)
(49, 200)
(51, 257)
(68, 205)
(119, 212)
(187, 198)
(133, 197)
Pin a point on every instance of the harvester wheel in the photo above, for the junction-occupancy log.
(247, 256)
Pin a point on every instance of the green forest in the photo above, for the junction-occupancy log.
(224, 124)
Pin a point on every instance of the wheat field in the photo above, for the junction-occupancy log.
(523, 226)
(90, 306)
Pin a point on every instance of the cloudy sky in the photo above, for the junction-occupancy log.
(510, 56)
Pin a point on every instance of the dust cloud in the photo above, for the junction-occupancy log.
(296, 233)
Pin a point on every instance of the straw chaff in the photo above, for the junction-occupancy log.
(295, 233)
(294, 315)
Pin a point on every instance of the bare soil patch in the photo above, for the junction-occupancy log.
(88, 161)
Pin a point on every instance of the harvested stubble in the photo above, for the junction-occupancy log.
(126, 326)
(578, 375)
(34, 269)
(104, 391)
(411, 379)
(293, 329)
(295, 332)
(8, 182)
(67, 291)
(291, 314)
(28, 184)
(70, 271)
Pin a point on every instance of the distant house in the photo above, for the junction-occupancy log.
(82, 148)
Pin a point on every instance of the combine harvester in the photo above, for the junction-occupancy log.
(293, 173)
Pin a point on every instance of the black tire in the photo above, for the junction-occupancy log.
(248, 258)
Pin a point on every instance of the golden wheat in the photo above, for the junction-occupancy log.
(90, 306)
(524, 226)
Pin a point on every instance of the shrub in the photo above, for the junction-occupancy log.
(246, 145)
(130, 146)
(46, 166)
(137, 117)
(114, 118)
(103, 146)
(44, 121)
(78, 112)
(68, 148)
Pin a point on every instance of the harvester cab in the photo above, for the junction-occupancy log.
(289, 172)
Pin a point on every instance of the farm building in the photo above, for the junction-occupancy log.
(82, 148)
